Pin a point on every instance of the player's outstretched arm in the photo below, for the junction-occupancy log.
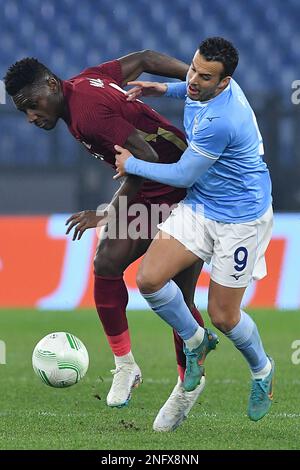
(145, 89)
(182, 174)
(208, 143)
(133, 65)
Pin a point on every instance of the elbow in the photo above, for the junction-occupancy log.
(187, 183)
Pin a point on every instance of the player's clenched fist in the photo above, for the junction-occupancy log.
(121, 156)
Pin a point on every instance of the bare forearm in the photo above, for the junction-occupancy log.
(129, 188)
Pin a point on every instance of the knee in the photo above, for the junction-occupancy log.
(148, 281)
(222, 316)
(106, 265)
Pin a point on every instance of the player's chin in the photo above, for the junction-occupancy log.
(49, 125)
(194, 96)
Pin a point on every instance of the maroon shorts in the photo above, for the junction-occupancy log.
(145, 213)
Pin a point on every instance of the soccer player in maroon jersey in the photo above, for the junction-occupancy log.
(97, 113)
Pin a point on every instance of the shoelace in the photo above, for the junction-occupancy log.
(117, 377)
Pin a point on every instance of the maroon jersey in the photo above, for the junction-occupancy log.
(101, 117)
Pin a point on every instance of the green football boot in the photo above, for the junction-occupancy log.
(195, 360)
(261, 395)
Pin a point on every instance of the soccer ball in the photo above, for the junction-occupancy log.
(60, 360)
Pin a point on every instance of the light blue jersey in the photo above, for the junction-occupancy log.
(222, 167)
(237, 187)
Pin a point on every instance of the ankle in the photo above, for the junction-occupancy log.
(196, 339)
(125, 359)
(263, 373)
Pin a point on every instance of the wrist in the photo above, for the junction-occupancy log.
(170, 88)
(175, 89)
(128, 164)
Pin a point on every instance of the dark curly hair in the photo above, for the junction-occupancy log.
(220, 50)
(28, 71)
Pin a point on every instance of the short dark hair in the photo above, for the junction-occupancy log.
(220, 50)
(28, 71)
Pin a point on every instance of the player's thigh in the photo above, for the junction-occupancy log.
(114, 255)
(180, 243)
(187, 281)
(165, 258)
(239, 251)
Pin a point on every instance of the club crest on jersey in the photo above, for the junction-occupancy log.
(195, 126)
(96, 82)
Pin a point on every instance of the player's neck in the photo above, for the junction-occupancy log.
(62, 105)
(64, 111)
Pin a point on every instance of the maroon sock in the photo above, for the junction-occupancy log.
(111, 298)
(178, 342)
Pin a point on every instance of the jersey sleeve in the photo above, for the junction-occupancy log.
(111, 69)
(211, 137)
(176, 90)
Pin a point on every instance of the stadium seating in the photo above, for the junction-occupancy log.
(68, 36)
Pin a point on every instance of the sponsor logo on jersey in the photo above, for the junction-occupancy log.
(237, 276)
(96, 82)
(213, 117)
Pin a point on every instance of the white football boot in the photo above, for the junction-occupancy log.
(177, 407)
(126, 377)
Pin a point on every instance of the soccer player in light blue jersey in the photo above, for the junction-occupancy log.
(225, 219)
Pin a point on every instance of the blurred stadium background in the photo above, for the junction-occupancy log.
(42, 174)
(46, 176)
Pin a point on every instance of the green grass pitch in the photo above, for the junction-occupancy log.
(34, 416)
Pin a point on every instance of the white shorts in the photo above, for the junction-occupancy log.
(237, 251)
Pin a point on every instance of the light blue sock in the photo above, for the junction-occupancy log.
(169, 304)
(246, 339)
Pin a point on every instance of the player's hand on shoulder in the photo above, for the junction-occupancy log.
(145, 89)
(82, 221)
(121, 156)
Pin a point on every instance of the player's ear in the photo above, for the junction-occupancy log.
(224, 82)
(52, 83)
